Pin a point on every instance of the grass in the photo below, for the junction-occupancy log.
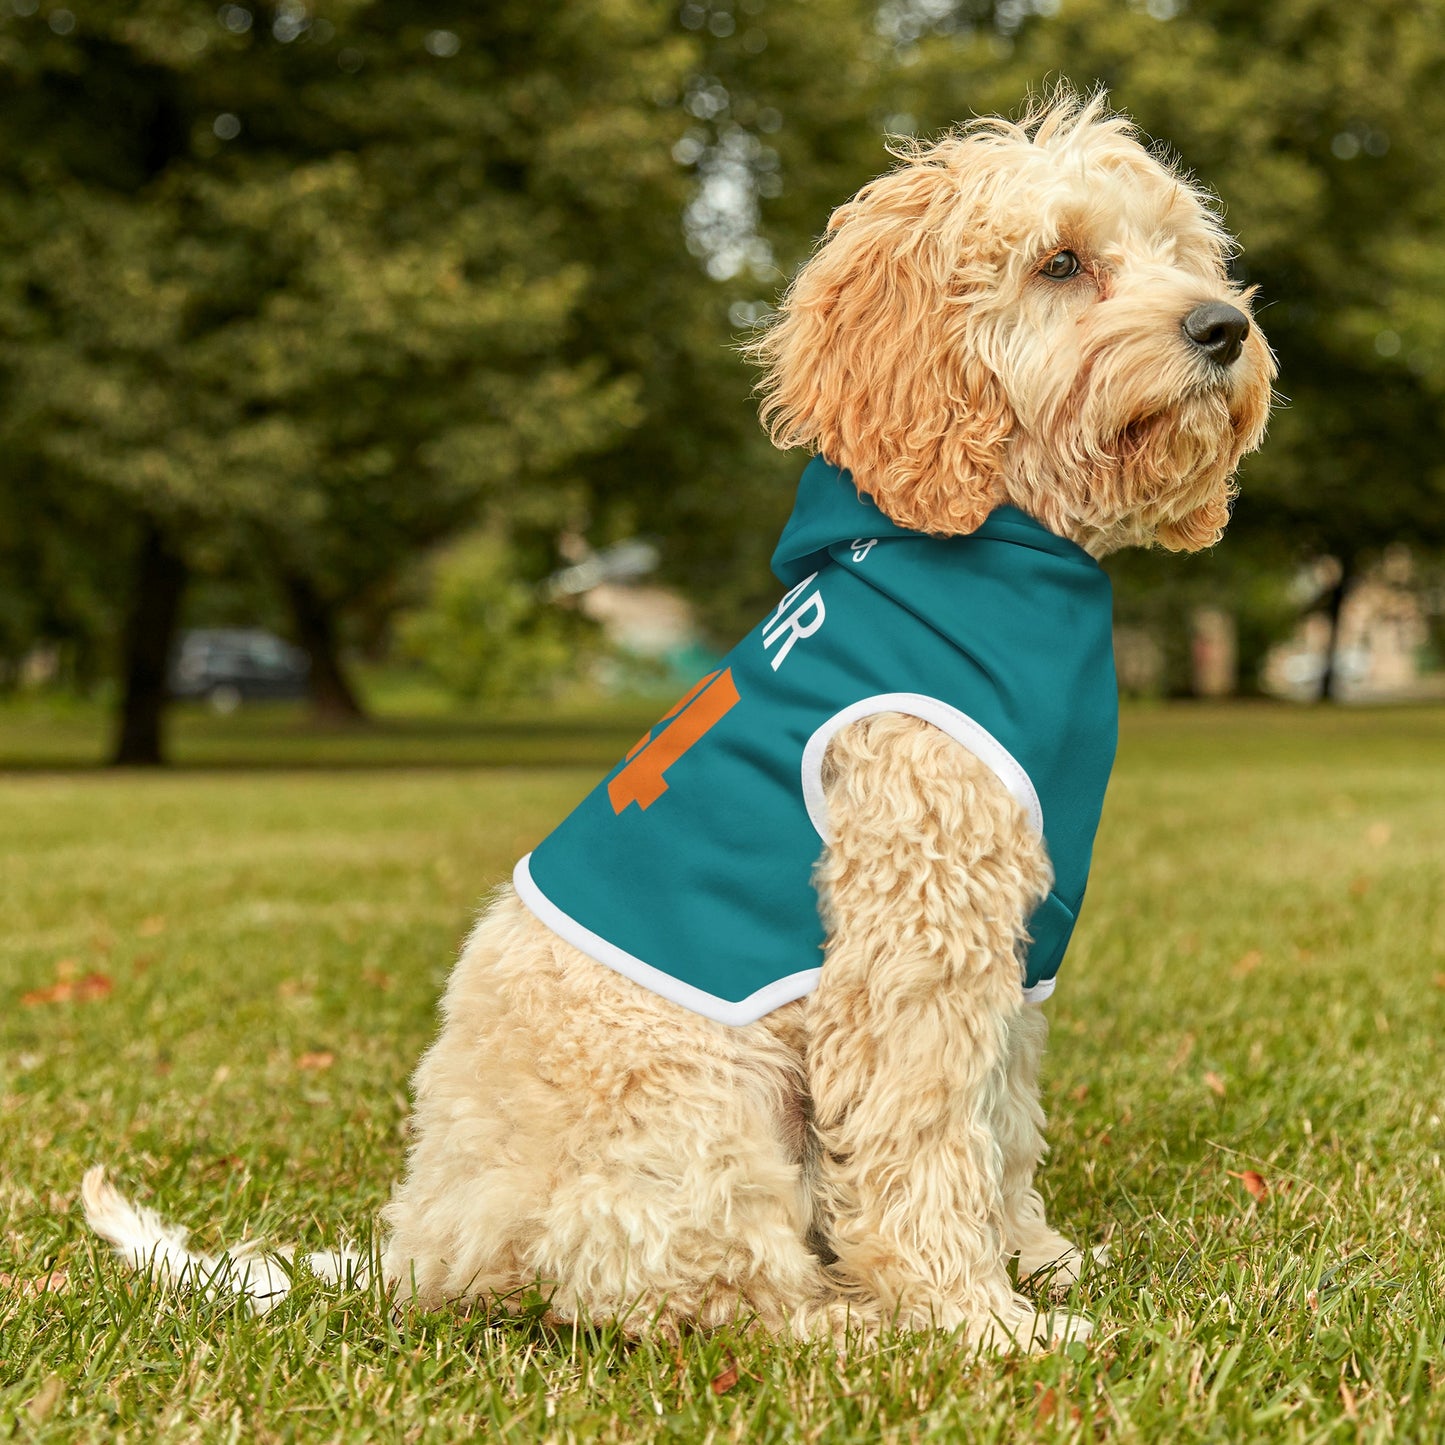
(409, 729)
(217, 980)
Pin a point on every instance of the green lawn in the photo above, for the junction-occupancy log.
(410, 729)
(216, 980)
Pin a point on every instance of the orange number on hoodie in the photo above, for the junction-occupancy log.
(641, 780)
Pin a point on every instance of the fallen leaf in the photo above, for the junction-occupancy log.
(1440, 980)
(724, 1382)
(45, 1399)
(1359, 886)
(377, 978)
(56, 993)
(83, 990)
(1254, 1182)
(1248, 963)
(1214, 1083)
(320, 1059)
(56, 1282)
(151, 927)
(1080, 1094)
(1046, 1408)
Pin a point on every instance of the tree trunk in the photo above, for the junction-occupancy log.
(150, 631)
(1329, 678)
(333, 699)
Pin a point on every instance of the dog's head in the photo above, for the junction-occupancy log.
(1036, 313)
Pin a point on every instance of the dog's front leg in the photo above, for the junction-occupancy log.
(926, 888)
(1044, 1255)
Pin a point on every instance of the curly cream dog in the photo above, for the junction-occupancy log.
(1033, 315)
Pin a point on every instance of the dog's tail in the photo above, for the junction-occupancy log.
(147, 1243)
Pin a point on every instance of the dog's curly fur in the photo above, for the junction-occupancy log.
(864, 1156)
(867, 1153)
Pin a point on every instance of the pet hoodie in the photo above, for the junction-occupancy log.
(689, 868)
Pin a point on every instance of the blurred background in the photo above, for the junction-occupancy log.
(363, 359)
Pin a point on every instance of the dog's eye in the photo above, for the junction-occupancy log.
(1060, 266)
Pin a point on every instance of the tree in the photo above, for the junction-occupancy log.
(304, 291)
(306, 287)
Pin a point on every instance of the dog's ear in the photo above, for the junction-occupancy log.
(874, 358)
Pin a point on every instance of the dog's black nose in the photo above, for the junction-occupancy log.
(1218, 331)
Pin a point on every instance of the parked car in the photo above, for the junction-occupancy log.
(230, 665)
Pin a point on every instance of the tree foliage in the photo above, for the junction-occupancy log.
(317, 286)
(485, 633)
(300, 290)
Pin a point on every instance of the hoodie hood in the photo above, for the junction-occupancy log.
(831, 512)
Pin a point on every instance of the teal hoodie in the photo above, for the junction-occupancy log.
(689, 868)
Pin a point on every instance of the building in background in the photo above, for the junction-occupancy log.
(1382, 650)
(652, 631)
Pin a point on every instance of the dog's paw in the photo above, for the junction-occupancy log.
(1023, 1326)
(1060, 1327)
(1057, 1269)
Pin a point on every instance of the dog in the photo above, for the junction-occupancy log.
(755, 1035)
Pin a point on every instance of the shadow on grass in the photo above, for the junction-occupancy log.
(596, 733)
(280, 737)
